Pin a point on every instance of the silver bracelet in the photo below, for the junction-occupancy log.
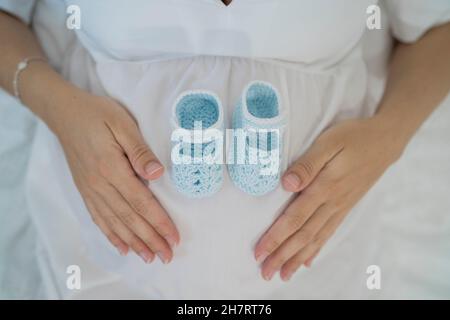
(22, 65)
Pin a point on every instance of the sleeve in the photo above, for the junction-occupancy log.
(410, 19)
(23, 9)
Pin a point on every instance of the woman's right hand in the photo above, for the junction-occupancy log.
(109, 161)
(104, 148)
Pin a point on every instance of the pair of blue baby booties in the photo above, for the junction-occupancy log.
(257, 113)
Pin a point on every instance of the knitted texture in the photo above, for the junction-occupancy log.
(262, 104)
(197, 179)
(262, 101)
(197, 107)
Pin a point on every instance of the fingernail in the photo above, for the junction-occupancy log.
(261, 257)
(287, 276)
(153, 169)
(122, 251)
(162, 258)
(146, 257)
(171, 241)
(292, 182)
(268, 275)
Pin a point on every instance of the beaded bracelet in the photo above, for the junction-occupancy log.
(22, 65)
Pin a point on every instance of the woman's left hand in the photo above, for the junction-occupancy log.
(330, 178)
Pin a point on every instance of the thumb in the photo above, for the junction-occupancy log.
(308, 166)
(142, 159)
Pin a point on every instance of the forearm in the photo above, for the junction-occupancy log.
(419, 80)
(41, 88)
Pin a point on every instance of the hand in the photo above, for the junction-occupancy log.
(330, 178)
(108, 157)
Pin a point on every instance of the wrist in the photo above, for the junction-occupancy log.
(48, 95)
(393, 132)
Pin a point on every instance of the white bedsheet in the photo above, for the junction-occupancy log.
(415, 195)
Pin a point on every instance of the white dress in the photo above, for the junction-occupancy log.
(327, 67)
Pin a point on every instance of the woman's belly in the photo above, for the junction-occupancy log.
(218, 233)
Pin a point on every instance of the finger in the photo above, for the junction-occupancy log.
(308, 166)
(298, 259)
(309, 261)
(142, 159)
(296, 242)
(142, 201)
(137, 224)
(293, 264)
(114, 223)
(112, 237)
(288, 223)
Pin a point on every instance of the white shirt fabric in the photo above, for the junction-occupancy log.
(327, 67)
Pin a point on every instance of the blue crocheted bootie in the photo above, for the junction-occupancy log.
(197, 144)
(254, 159)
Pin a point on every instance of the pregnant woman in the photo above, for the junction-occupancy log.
(103, 76)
